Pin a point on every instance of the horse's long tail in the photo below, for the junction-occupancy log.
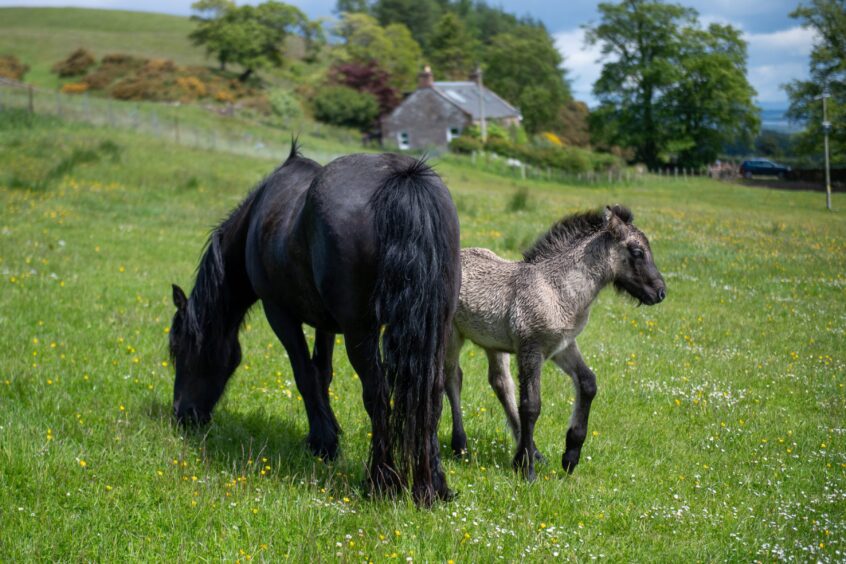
(415, 297)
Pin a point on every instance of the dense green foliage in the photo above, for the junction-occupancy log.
(391, 47)
(716, 434)
(251, 36)
(341, 105)
(828, 71)
(453, 52)
(526, 70)
(669, 89)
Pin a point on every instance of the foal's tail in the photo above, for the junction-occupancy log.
(415, 298)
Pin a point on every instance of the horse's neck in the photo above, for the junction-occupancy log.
(578, 276)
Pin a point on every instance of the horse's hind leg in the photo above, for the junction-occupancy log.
(570, 361)
(363, 352)
(322, 436)
(499, 377)
(454, 378)
(324, 346)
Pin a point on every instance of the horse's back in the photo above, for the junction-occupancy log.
(341, 228)
(486, 298)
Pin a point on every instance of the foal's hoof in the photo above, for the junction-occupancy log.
(569, 460)
(524, 465)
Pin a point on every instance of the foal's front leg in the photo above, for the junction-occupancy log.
(529, 362)
(570, 361)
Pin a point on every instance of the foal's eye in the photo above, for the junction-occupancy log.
(636, 252)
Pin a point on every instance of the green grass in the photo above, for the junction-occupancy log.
(717, 433)
(40, 37)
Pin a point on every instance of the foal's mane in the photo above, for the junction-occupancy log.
(209, 303)
(570, 229)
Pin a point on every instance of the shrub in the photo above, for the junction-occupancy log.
(74, 87)
(112, 68)
(192, 87)
(285, 104)
(465, 144)
(11, 67)
(75, 64)
(340, 105)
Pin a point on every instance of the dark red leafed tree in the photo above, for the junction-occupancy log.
(369, 78)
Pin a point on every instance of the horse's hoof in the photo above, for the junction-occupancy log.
(325, 452)
(460, 454)
(569, 461)
(524, 465)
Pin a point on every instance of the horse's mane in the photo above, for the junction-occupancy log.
(209, 303)
(570, 229)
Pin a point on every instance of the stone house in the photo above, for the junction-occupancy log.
(437, 112)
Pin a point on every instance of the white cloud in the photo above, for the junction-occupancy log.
(580, 61)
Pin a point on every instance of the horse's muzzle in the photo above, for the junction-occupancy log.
(190, 415)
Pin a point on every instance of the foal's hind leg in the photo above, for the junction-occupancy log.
(323, 435)
(570, 361)
(499, 377)
(363, 352)
(324, 346)
(454, 378)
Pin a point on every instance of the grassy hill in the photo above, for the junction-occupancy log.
(41, 36)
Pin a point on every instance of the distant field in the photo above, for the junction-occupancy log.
(717, 434)
(42, 36)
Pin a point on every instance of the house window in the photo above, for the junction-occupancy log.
(452, 133)
(403, 140)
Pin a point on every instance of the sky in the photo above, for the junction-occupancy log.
(779, 48)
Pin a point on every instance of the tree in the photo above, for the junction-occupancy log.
(368, 78)
(419, 16)
(526, 69)
(252, 36)
(711, 103)
(667, 85)
(452, 50)
(341, 105)
(391, 47)
(828, 70)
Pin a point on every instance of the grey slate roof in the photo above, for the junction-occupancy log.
(465, 95)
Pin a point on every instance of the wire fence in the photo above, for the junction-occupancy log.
(217, 129)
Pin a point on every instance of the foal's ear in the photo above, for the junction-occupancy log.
(179, 299)
(613, 222)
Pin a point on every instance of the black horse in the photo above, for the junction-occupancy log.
(367, 246)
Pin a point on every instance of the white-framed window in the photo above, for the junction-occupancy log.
(452, 133)
(403, 140)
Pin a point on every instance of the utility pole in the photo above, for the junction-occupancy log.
(483, 126)
(826, 128)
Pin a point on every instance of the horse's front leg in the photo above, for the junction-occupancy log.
(584, 380)
(529, 362)
(322, 435)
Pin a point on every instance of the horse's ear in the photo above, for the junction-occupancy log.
(179, 299)
(612, 222)
(623, 213)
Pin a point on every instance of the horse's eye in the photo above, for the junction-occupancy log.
(636, 252)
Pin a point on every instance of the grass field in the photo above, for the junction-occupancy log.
(42, 36)
(717, 433)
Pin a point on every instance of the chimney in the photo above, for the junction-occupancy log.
(425, 79)
(476, 75)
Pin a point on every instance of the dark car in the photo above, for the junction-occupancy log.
(763, 167)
